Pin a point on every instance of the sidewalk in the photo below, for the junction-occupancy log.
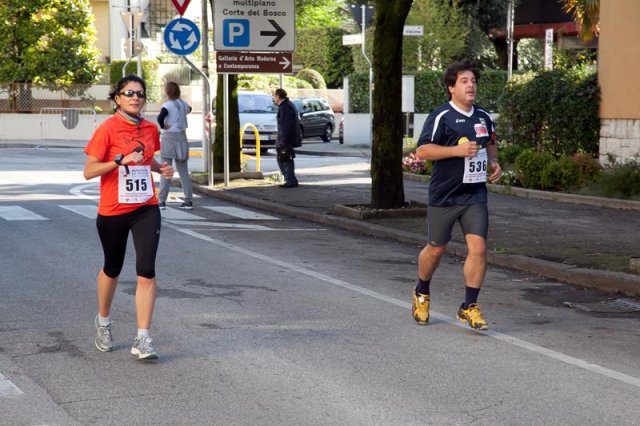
(570, 238)
(586, 241)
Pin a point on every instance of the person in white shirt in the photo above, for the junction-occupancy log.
(174, 144)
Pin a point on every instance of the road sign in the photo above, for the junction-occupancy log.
(349, 39)
(264, 26)
(133, 47)
(413, 30)
(182, 36)
(181, 5)
(248, 63)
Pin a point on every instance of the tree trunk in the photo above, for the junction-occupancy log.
(387, 190)
(234, 127)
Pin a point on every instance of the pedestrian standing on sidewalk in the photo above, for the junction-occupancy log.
(121, 152)
(459, 138)
(174, 144)
(289, 137)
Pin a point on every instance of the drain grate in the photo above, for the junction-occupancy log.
(617, 306)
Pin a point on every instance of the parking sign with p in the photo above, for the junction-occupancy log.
(235, 32)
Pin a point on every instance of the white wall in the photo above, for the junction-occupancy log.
(35, 127)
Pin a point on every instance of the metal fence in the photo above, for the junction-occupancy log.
(28, 98)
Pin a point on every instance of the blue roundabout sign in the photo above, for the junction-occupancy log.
(182, 36)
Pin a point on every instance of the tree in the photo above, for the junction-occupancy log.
(586, 13)
(319, 13)
(446, 27)
(489, 16)
(49, 43)
(387, 189)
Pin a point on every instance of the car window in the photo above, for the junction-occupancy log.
(256, 104)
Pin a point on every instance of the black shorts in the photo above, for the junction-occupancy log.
(473, 219)
(144, 224)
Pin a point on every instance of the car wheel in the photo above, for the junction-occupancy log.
(327, 134)
(263, 150)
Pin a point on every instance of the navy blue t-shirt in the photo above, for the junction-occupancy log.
(445, 126)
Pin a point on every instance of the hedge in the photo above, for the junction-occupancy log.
(552, 111)
(429, 90)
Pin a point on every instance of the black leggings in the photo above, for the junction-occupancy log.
(144, 224)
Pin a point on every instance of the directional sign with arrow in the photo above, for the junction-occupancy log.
(250, 63)
(182, 36)
(247, 27)
(278, 33)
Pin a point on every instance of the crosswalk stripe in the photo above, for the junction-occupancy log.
(86, 210)
(175, 214)
(240, 213)
(7, 388)
(219, 225)
(18, 213)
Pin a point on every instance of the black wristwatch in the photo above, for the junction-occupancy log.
(118, 159)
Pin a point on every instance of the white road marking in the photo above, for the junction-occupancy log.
(244, 226)
(576, 362)
(176, 214)
(240, 213)
(7, 388)
(223, 226)
(18, 213)
(86, 210)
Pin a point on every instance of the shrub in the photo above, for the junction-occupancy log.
(529, 166)
(621, 181)
(588, 166)
(560, 174)
(552, 111)
(507, 153)
(313, 77)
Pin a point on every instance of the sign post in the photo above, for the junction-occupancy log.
(241, 28)
(548, 49)
(269, 28)
(250, 62)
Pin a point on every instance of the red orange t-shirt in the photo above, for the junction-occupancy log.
(116, 136)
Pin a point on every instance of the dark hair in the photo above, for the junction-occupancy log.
(281, 93)
(172, 89)
(123, 82)
(451, 73)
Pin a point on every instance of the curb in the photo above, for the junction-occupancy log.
(604, 280)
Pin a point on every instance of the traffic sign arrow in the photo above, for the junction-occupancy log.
(284, 62)
(279, 33)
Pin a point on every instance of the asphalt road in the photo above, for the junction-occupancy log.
(271, 320)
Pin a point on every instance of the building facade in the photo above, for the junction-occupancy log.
(618, 65)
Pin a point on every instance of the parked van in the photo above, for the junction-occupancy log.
(260, 110)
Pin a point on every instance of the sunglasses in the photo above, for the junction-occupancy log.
(130, 93)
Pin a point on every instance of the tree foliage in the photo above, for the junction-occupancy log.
(446, 27)
(586, 13)
(319, 13)
(48, 43)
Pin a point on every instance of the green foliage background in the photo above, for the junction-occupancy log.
(552, 111)
(429, 90)
(48, 43)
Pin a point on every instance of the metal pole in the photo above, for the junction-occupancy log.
(206, 97)
(510, 19)
(225, 89)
